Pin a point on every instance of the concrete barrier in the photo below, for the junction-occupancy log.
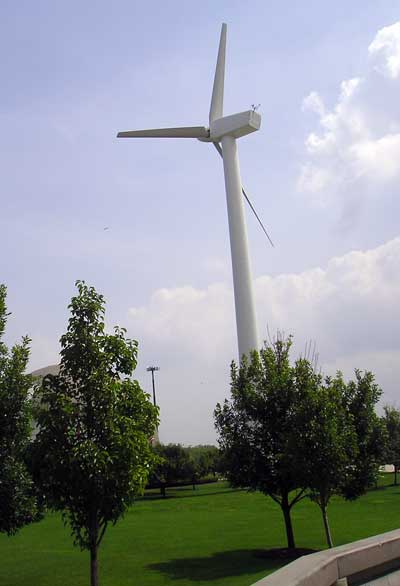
(353, 563)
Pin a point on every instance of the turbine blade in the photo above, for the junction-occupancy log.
(181, 132)
(217, 100)
(257, 216)
(219, 149)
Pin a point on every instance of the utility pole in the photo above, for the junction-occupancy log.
(155, 440)
(152, 369)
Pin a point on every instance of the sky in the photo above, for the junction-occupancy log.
(323, 173)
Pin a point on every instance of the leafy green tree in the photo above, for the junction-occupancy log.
(360, 399)
(329, 440)
(343, 439)
(289, 433)
(92, 451)
(174, 467)
(17, 501)
(259, 427)
(206, 460)
(391, 421)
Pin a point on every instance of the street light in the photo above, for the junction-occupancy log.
(152, 369)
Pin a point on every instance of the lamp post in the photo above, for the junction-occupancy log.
(152, 369)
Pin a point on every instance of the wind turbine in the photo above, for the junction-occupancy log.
(223, 132)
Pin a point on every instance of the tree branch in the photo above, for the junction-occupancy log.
(103, 530)
(275, 498)
(299, 496)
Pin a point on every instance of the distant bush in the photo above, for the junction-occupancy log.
(184, 466)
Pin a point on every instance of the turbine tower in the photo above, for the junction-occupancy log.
(223, 132)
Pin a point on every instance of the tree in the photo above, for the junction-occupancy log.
(342, 439)
(174, 467)
(391, 421)
(289, 433)
(92, 451)
(17, 500)
(206, 460)
(260, 426)
(329, 440)
(360, 398)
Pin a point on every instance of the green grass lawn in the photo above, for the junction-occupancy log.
(192, 537)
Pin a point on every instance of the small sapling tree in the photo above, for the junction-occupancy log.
(92, 451)
(343, 439)
(360, 398)
(330, 443)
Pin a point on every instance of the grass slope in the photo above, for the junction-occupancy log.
(192, 537)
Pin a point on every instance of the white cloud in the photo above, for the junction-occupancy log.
(385, 365)
(357, 144)
(314, 103)
(217, 266)
(378, 159)
(314, 180)
(191, 320)
(385, 49)
(344, 120)
(350, 308)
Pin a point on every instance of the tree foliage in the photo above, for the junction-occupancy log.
(92, 451)
(360, 399)
(259, 427)
(17, 501)
(329, 442)
(174, 467)
(178, 465)
(342, 439)
(391, 422)
(206, 460)
(290, 433)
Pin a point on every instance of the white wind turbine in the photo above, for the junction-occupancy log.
(223, 132)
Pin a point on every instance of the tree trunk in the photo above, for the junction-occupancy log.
(326, 525)
(93, 537)
(94, 578)
(288, 522)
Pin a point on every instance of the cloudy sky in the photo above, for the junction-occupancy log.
(323, 173)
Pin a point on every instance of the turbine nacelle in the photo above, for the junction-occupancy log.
(236, 125)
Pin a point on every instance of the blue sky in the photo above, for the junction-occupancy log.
(322, 172)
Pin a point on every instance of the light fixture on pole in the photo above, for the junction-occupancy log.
(152, 369)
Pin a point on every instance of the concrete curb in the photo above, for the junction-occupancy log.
(366, 557)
